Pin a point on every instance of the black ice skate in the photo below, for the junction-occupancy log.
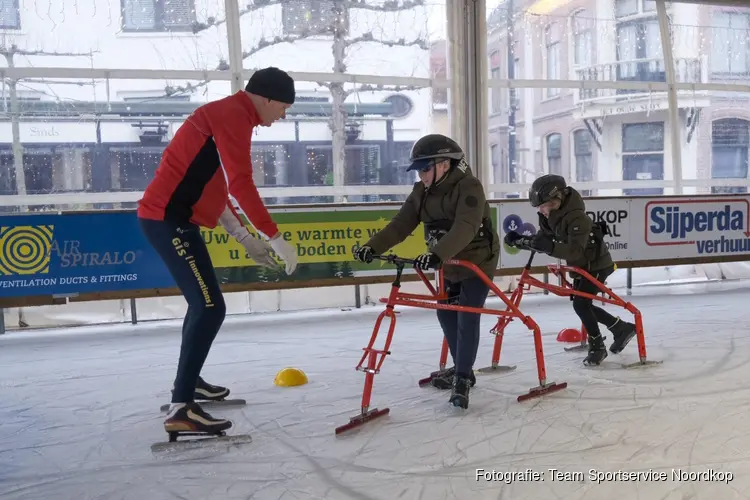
(444, 380)
(191, 419)
(623, 332)
(460, 392)
(207, 392)
(597, 351)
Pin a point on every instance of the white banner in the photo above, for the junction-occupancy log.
(690, 227)
(521, 217)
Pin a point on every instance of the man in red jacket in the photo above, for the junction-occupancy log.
(208, 159)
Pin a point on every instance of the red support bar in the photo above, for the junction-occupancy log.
(431, 302)
(526, 281)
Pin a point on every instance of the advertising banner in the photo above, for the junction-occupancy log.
(67, 254)
(521, 217)
(702, 226)
(78, 253)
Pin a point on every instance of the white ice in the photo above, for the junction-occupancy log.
(79, 409)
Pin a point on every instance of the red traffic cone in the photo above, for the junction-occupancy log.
(570, 335)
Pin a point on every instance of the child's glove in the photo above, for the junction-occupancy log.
(542, 243)
(426, 261)
(363, 254)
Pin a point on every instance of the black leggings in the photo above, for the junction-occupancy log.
(461, 329)
(590, 314)
(184, 252)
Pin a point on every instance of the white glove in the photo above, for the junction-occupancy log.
(258, 250)
(287, 253)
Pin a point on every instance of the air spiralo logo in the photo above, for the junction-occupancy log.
(25, 249)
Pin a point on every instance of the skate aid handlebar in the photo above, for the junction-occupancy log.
(395, 259)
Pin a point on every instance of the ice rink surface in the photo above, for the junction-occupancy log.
(79, 410)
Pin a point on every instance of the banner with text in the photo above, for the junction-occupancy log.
(521, 217)
(67, 254)
(685, 227)
(77, 253)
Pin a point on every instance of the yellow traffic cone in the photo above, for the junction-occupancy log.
(290, 377)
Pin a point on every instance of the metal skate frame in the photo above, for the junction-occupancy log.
(565, 289)
(375, 357)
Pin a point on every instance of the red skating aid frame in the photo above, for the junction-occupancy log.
(375, 357)
(566, 290)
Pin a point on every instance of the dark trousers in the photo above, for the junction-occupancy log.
(184, 252)
(461, 329)
(590, 314)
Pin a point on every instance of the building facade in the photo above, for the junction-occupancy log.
(108, 134)
(618, 134)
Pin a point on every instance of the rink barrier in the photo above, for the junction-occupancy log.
(49, 258)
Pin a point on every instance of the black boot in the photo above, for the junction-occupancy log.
(460, 392)
(597, 351)
(190, 417)
(444, 380)
(207, 392)
(623, 332)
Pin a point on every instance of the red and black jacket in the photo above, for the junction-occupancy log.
(190, 184)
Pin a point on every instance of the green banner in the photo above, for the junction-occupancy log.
(324, 239)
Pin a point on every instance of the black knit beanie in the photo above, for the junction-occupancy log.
(272, 83)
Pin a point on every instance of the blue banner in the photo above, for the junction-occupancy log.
(76, 253)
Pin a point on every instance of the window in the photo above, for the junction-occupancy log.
(552, 56)
(495, 160)
(158, 15)
(497, 92)
(514, 95)
(137, 165)
(643, 155)
(639, 49)
(729, 51)
(582, 31)
(583, 158)
(439, 71)
(625, 8)
(10, 18)
(270, 165)
(554, 154)
(729, 152)
(304, 17)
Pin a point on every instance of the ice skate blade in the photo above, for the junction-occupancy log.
(362, 419)
(428, 380)
(579, 347)
(215, 404)
(496, 369)
(542, 390)
(641, 364)
(205, 440)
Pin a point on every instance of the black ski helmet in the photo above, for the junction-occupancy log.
(545, 188)
(433, 147)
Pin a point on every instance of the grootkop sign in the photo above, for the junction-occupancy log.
(521, 217)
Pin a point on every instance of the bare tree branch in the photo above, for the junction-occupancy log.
(388, 6)
(366, 87)
(264, 43)
(401, 42)
(14, 50)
